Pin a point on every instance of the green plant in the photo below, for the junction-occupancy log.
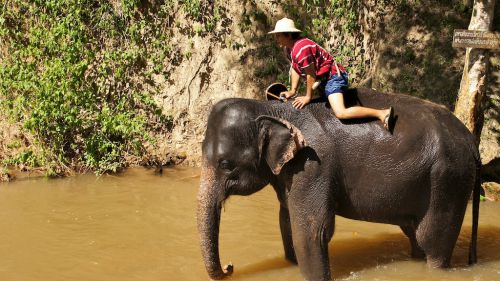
(192, 7)
(205, 13)
(27, 158)
(70, 79)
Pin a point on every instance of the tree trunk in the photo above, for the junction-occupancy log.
(469, 107)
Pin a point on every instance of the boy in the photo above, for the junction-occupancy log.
(315, 64)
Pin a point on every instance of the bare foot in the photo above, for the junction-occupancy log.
(389, 119)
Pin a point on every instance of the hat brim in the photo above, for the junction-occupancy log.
(284, 30)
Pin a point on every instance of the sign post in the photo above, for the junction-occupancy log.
(463, 38)
(478, 40)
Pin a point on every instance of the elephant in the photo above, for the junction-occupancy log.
(419, 176)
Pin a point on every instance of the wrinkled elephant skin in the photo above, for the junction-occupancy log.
(419, 177)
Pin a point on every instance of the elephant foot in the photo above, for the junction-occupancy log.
(438, 262)
(417, 254)
(291, 258)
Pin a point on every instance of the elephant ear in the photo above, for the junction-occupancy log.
(279, 141)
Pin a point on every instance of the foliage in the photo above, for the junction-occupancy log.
(71, 76)
(206, 13)
(24, 158)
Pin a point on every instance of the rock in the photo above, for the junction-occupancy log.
(491, 191)
(5, 175)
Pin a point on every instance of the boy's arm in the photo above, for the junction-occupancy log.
(294, 85)
(295, 81)
(300, 102)
(311, 78)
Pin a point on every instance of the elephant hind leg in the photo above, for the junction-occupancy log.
(437, 235)
(416, 250)
(437, 232)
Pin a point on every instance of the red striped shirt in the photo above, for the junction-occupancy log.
(306, 52)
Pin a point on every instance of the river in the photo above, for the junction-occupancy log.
(142, 227)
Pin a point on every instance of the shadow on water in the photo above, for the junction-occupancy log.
(357, 254)
(351, 255)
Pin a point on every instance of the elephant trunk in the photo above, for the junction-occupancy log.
(209, 207)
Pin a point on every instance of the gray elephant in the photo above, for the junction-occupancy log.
(419, 177)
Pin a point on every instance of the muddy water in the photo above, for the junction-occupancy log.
(138, 226)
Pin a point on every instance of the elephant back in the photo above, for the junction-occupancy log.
(423, 128)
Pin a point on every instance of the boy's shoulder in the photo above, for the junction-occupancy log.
(301, 44)
(304, 42)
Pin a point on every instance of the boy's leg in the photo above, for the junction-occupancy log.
(336, 101)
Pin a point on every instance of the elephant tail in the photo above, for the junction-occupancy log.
(475, 217)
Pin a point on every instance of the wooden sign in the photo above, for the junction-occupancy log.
(476, 39)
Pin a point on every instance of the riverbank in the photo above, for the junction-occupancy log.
(8, 174)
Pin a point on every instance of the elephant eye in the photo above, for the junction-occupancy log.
(226, 165)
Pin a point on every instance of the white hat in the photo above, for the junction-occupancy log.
(284, 25)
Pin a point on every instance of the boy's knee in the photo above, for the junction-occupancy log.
(339, 113)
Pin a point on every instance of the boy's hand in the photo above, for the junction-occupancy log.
(287, 94)
(300, 102)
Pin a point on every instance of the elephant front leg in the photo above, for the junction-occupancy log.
(311, 234)
(286, 235)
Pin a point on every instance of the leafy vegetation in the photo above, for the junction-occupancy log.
(74, 78)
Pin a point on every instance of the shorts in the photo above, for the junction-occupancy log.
(337, 84)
